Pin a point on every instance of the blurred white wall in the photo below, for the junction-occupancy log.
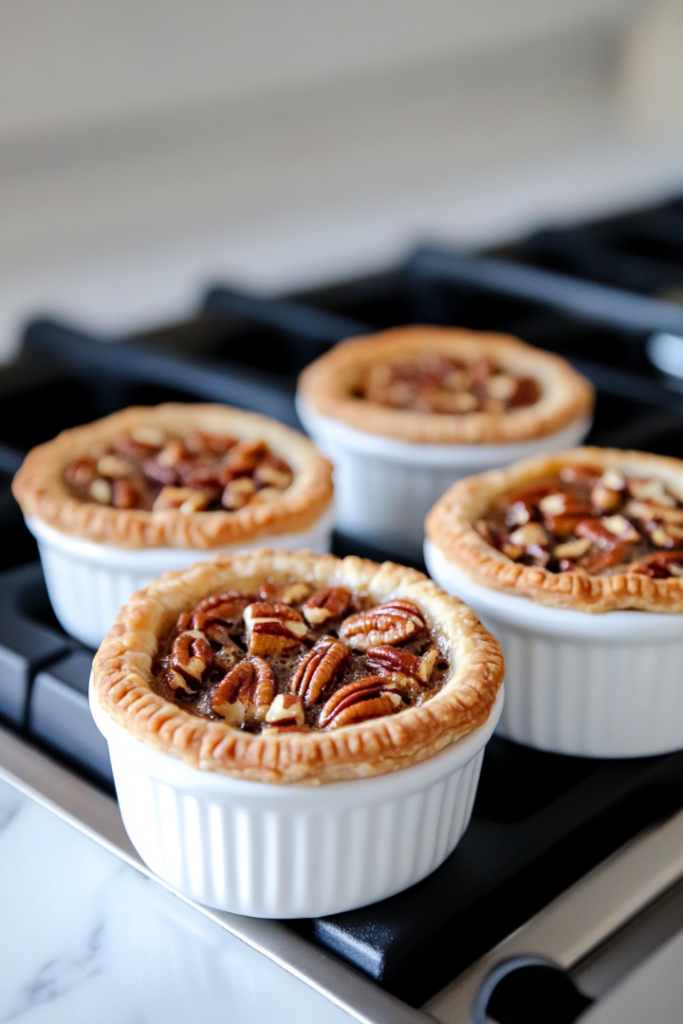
(145, 144)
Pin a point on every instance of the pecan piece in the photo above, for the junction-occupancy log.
(198, 441)
(372, 697)
(647, 510)
(225, 608)
(327, 603)
(191, 656)
(101, 491)
(273, 628)
(286, 593)
(273, 472)
(286, 712)
(184, 499)
(391, 659)
(318, 668)
(245, 694)
(579, 474)
(245, 456)
(392, 622)
(81, 472)
(238, 493)
(660, 565)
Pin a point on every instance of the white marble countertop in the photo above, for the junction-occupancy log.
(86, 937)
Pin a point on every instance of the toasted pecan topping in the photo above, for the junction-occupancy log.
(587, 521)
(150, 469)
(435, 383)
(258, 665)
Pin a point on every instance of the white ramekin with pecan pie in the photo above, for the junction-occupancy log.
(116, 503)
(294, 735)
(575, 562)
(404, 413)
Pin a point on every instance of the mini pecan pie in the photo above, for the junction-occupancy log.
(592, 529)
(446, 386)
(176, 475)
(295, 667)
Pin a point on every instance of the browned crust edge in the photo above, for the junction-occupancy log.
(40, 489)
(327, 383)
(449, 526)
(122, 667)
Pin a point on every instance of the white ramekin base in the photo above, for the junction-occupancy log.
(385, 487)
(89, 583)
(606, 685)
(292, 851)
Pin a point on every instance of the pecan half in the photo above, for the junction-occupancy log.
(191, 656)
(327, 603)
(245, 694)
(273, 628)
(371, 697)
(318, 668)
(392, 622)
(392, 659)
(286, 711)
(226, 607)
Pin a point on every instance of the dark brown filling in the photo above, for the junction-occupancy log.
(152, 469)
(434, 383)
(598, 523)
(291, 659)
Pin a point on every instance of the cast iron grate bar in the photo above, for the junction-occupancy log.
(430, 266)
(198, 375)
(296, 318)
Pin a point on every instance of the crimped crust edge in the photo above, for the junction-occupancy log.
(122, 667)
(450, 526)
(40, 489)
(327, 383)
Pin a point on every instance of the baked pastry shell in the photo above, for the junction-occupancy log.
(450, 527)
(328, 385)
(41, 491)
(123, 666)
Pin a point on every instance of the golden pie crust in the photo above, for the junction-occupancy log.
(327, 386)
(450, 526)
(123, 667)
(40, 489)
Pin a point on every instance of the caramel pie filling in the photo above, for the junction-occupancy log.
(587, 521)
(434, 383)
(152, 469)
(293, 659)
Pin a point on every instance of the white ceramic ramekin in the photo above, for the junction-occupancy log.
(292, 851)
(607, 685)
(88, 583)
(385, 487)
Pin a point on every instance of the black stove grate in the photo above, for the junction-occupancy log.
(540, 821)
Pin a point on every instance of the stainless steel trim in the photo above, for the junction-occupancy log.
(97, 815)
(587, 914)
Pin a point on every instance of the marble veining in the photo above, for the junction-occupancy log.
(85, 937)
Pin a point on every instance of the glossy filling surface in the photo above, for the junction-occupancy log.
(434, 383)
(594, 522)
(151, 469)
(289, 658)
